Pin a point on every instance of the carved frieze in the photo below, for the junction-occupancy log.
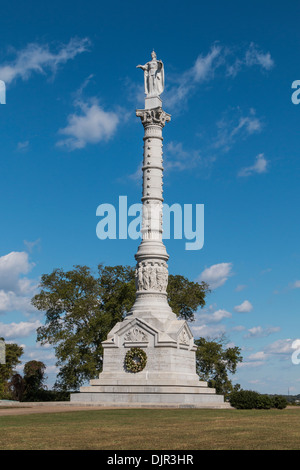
(151, 276)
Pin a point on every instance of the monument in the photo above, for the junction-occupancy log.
(149, 357)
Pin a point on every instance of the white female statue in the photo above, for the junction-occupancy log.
(153, 76)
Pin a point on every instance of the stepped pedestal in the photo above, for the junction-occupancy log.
(169, 377)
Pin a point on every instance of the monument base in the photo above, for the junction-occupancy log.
(169, 377)
(159, 396)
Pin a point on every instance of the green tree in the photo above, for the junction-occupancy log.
(215, 361)
(30, 387)
(34, 379)
(17, 387)
(81, 308)
(13, 352)
(185, 296)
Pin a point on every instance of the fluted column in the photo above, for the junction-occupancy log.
(152, 257)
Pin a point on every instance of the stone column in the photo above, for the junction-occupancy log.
(152, 257)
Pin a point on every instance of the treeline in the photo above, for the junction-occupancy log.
(293, 399)
(27, 387)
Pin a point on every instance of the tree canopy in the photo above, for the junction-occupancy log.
(13, 352)
(215, 361)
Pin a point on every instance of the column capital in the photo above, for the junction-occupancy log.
(153, 117)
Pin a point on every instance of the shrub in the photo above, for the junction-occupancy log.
(48, 395)
(263, 402)
(279, 402)
(248, 399)
(243, 399)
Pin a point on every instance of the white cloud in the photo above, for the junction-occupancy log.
(244, 307)
(259, 332)
(256, 57)
(16, 289)
(208, 331)
(12, 266)
(252, 57)
(254, 360)
(216, 275)
(240, 287)
(209, 323)
(255, 331)
(214, 317)
(281, 347)
(36, 58)
(260, 166)
(202, 70)
(44, 353)
(296, 285)
(250, 123)
(205, 67)
(260, 355)
(18, 330)
(238, 328)
(233, 125)
(10, 301)
(22, 146)
(91, 125)
(30, 245)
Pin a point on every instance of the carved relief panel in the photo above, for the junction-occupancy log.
(151, 275)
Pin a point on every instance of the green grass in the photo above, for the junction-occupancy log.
(183, 429)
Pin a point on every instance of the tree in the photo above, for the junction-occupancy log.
(34, 378)
(81, 308)
(214, 361)
(13, 352)
(185, 297)
(31, 387)
(17, 387)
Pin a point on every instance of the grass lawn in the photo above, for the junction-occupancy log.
(146, 429)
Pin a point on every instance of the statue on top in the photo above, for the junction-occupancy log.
(153, 76)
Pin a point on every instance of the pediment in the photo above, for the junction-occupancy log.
(180, 331)
(135, 331)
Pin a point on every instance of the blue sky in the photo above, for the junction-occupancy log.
(70, 141)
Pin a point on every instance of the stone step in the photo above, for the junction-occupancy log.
(154, 398)
(66, 404)
(151, 405)
(151, 380)
(146, 389)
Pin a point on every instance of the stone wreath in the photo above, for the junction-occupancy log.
(135, 360)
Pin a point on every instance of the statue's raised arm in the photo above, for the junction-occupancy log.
(154, 79)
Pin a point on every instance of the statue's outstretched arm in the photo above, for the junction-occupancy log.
(144, 67)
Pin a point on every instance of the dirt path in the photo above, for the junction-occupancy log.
(24, 410)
